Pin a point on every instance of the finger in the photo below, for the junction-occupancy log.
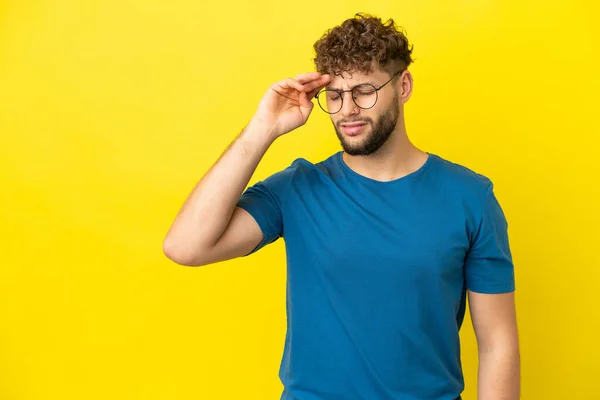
(304, 100)
(289, 83)
(307, 77)
(311, 77)
(318, 83)
(294, 84)
(314, 92)
(322, 83)
(311, 95)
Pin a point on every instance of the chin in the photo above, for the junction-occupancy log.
(355, 149)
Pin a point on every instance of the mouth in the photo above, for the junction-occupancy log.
(353, 128)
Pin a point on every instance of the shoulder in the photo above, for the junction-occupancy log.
(462, 178)
(300, 172)
(325, 166)
(470, 191)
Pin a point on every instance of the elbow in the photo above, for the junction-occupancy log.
(180, 254)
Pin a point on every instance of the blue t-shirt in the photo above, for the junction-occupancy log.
(377, 274)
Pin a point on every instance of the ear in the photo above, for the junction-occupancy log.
(406, 86)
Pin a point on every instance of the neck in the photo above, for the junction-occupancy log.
(397, 158)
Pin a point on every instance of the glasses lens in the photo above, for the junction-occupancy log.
(330, 101)
(365, 96)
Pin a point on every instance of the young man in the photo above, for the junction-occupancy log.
(384, 241)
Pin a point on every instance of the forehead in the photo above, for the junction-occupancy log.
(353, 78)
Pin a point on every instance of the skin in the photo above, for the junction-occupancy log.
(493, 315)
(209, 228)
(397, 156)
(495, 325)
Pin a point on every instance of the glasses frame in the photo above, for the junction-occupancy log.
(341, 93)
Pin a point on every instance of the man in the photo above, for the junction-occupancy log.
(384, 241)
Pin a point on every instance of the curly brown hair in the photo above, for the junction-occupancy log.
(360, 42)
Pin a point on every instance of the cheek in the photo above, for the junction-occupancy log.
(378, 111)
(384, 102)
(371, 114)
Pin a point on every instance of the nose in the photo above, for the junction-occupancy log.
(348, 105)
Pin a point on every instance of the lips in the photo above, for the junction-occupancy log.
(353, 128)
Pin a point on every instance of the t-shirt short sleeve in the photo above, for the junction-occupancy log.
(263, 203)
(488, 265)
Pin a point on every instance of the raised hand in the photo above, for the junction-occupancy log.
(287, 104)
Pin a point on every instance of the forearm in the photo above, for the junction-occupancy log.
(207, 210)
(499, 374)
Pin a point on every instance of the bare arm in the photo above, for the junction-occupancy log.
(495, 325)
(209, 227)
(209, 208)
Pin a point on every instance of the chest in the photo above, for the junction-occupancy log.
(411, 238)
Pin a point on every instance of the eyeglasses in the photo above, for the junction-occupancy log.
(364, 96)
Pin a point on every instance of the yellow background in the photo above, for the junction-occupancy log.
(110, 111)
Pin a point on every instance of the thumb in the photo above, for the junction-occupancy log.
(305, 102)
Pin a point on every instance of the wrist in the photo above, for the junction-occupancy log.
(261, 130)
(258, 134)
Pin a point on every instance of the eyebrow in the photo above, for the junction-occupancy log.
(338, 89)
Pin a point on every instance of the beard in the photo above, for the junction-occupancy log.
(379, 134)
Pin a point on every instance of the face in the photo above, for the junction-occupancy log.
(364, 131)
